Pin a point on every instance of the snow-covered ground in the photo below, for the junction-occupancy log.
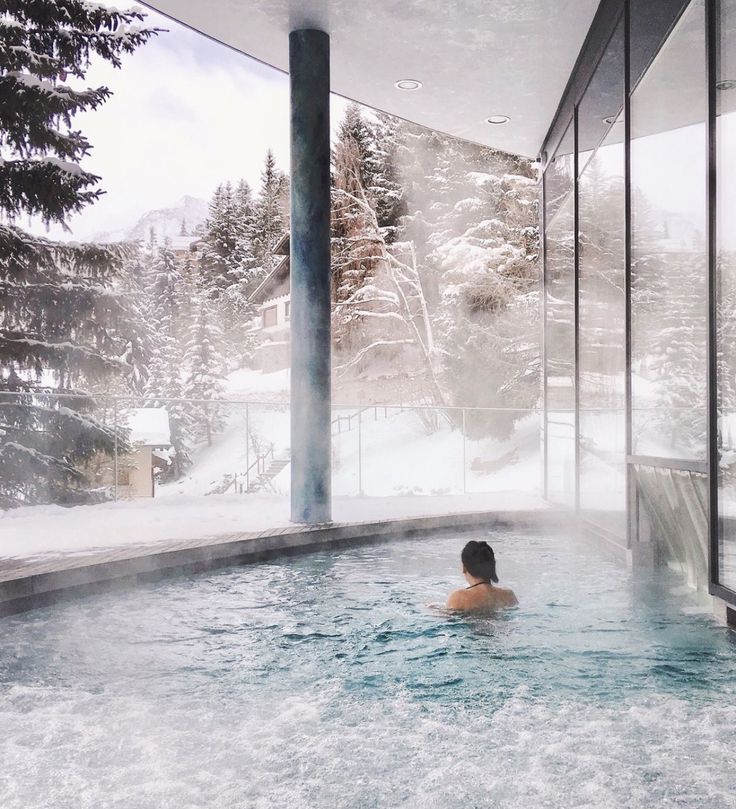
(47, 531)
(392, 462)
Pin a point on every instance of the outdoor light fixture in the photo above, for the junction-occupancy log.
(498, 119)
(609, 119)
(726, 84)
(407, 84)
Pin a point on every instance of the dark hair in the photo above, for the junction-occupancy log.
(479, 561)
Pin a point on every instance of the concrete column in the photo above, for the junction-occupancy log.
(309, 68)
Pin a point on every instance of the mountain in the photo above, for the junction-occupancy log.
(165, 222)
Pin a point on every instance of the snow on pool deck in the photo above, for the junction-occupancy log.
(47, 532)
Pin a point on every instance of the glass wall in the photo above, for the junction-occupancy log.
(636, 373)
(669, 279)
(726, 290)
(559, 247)
(640, 285)
(602, 293)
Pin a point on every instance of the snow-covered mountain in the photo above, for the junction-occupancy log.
(165, 222)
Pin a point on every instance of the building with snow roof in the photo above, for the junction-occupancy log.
(150, 440)
(272, 298)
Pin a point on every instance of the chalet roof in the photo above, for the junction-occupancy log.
(149, 426)
(276, 283)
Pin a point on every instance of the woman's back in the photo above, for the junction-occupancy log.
(479, 569)
(481, 597)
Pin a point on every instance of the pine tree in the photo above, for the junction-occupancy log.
(380, 316)
(384, 175)
(165, 379)
(270, 220)
(219, 241)
(135, 286)
(60, 325)
(205, 364)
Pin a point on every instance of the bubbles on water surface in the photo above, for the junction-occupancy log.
(326, 681)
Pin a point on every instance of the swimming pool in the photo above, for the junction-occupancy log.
(325, 681)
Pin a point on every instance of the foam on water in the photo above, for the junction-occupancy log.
(326, 681)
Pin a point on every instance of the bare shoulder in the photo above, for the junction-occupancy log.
(457, 600)
(506, 596)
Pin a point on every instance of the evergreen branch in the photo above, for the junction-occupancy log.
(46, 188)
(33, 349)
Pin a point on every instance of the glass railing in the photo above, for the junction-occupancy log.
(132, 448)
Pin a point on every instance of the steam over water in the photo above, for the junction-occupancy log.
(325, 682)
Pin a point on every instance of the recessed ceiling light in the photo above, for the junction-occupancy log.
(498, 119)
(726, 84)
(407, 84)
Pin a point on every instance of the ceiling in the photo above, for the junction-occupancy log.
(475, 58)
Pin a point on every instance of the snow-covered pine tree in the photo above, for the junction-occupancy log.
(205, 364)
(136, 289)
(472, 228)
(270, 215)
(243, 260)
(380, 322)
(166, 376)
(668, 294)
(244, 275)
(59, 319)
(385, 184)
(219, 241)
(357, 242)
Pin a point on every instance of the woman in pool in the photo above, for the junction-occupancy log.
(479, 569)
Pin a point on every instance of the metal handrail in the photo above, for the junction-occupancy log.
(141, 401)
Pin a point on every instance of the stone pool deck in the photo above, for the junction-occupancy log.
(34, 581)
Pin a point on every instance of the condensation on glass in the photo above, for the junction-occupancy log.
(559, 293)
(726, 290)
(602, 293)
(669, 292)
(669, 272)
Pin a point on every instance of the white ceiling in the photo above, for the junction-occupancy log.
(475, 57)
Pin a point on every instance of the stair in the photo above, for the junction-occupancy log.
(263, 481)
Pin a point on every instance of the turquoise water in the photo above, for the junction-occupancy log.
(327, 681)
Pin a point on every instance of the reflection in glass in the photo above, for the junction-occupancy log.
(602, 335)
(558, 176)
(650, 20)
(560, 353)
(668, 247)
(726, 291)
(602, 104)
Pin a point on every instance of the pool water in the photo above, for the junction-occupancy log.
(326, 681)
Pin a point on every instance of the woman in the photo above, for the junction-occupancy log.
(479, 569)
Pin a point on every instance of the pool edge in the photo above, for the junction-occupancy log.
(45, 583)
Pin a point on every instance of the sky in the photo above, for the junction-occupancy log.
(186, 114)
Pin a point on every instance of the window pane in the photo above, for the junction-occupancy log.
(558, 176)
(602, 316)
(560, 354)
(270, 316)
(669, 255)
(726, 290)
(651, 21)
(603, 101)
